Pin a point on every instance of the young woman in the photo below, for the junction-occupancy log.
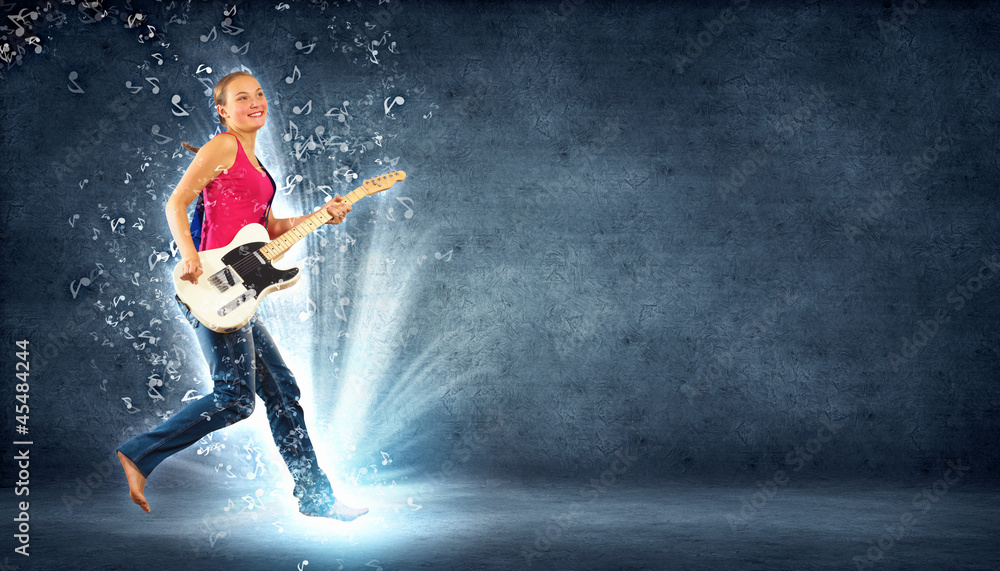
(235, 191)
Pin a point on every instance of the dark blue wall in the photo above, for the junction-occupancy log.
(726, 237)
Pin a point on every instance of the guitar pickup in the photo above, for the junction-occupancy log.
(237, 301)
(224, 279)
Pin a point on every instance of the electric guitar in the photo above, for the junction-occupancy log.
(236, 277)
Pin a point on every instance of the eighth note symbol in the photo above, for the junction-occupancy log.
(303, 564)
(344, 302)
(76, 86)
(296, 74)
(160, 139)
(211, 35)
(307, 108)
(301, 47)
(310, 310)
(388, 106)
(176, 99)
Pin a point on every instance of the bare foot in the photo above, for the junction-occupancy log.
(136, 482)
(338, 510)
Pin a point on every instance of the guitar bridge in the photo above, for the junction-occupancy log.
(224, 279)
(237, 301)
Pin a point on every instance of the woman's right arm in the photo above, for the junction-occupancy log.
(217, 155)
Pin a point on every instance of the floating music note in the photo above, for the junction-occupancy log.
(296, 74)
(300, 47)
(229, 28)
(440, 256)
(211, 36)
(156, 257)
(288, 136)
(209, 86)
(252, 500)
(310, 310)
(176, 99)
(205, 68)
(158, 58)
(340, 114)
(409, 211)
(388, 106)
(155, 82)
(75, 88)
(74, 218)
(84, 282)
(344, 302)
(129, 406)
(345, 172)
(385, 458)
(290, 183)
(304, 561)
(133, 88)
(277, 524)
(190, 396)
(240, 50)
(413, 506)
(307, 108)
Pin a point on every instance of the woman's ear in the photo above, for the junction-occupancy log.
(222, 111)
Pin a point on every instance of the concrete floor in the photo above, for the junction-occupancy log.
(505, 525)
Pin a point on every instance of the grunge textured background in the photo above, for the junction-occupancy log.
(730, 238)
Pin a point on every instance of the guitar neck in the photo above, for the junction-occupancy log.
(282, 243)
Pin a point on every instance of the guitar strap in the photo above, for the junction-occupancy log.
(198, 220)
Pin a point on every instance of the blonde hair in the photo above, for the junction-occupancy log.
(219, 94)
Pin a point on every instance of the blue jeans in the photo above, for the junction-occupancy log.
(241, 363)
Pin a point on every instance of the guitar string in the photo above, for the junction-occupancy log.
(247, 262)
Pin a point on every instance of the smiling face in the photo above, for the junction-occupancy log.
(246, 107)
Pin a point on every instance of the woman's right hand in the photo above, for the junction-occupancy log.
(191, 269)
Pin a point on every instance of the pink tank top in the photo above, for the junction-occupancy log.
(238, 196)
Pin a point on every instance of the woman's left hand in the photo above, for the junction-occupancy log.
(337, 209)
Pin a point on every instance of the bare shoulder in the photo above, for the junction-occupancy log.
(219, 153)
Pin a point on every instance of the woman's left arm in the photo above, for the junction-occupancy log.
(335, 206)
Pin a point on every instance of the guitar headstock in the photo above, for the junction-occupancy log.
(384, 182)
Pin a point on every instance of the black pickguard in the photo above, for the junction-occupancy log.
(256, 275)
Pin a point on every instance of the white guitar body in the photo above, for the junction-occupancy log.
(239, 275)
(235, 279)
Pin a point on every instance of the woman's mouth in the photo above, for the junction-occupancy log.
(257, 114)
